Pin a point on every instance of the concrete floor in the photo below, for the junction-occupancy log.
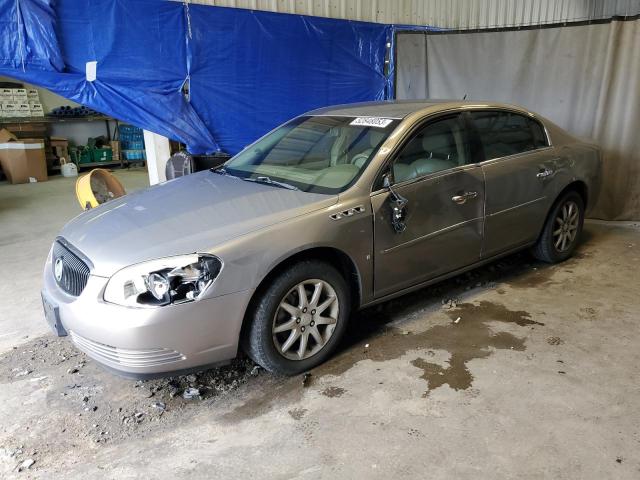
(533, 371)
(31, 215)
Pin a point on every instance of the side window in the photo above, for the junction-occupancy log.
(439, 145)
(539, 135)
(506, 133)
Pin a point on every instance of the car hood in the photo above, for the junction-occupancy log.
(186, 215)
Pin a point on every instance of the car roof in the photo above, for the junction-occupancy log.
(398, 109)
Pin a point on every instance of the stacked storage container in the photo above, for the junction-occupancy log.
(35, 106)
(132, 144)
(20, 102)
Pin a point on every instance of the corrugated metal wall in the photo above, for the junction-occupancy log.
(455, 14)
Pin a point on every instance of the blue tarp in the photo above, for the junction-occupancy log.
(28, 37)
(247, 71)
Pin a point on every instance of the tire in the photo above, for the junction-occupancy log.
(551, 248)
(271, 326)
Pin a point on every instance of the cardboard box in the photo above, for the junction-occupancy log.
(28, 129)
(22, 160)
(19, 95)
(115, 148)
(6, 136)
(9, 109)
(36, 109)
(60, 147)
(33, 95)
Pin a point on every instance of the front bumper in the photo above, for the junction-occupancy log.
(142, 342)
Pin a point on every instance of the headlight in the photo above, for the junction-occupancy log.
(163, 281)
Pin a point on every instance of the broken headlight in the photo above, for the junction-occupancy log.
(164, 281)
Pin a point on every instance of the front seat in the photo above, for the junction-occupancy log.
(441, 153)
(374, 140)
(339, 147)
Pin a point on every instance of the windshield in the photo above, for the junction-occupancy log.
(313, 153)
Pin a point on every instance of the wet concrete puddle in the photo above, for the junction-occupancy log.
(469, 338)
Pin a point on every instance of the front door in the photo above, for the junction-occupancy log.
(439, 227)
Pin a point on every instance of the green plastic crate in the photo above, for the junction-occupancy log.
(85, 156)
(102, 155)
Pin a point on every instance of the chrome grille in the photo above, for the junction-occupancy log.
(152, 357)
(75, 272)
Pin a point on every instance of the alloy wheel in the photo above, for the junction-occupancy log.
(566, 226)
(305, 319)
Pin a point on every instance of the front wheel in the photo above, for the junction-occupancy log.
(299, 318)
(562, 229)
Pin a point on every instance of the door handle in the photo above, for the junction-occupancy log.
(544, 173)
(462, 199)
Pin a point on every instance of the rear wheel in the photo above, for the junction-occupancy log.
(562, 229)
(299, 319)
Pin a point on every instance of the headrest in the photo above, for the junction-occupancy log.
(375, 138)
(402, 172)
(438, 141)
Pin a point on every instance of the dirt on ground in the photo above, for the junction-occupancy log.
(70, 411)
(84, 402)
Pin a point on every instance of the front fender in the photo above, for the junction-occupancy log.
(250, 258)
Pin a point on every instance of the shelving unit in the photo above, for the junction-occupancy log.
(15, 124)
(101, 164)
(52, 119)
(13, 121)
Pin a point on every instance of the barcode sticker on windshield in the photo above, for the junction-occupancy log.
(371, 122)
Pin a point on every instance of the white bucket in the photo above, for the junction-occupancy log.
(68, 169)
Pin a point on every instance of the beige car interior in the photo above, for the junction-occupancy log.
(348, 156)
(439, 146)
(348, 163)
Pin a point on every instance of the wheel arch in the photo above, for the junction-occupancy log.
(578, 186)
(575, 185)
(334, 256)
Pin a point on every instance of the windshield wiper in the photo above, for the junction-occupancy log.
(269, 181)
(222, 171)
(219, 170)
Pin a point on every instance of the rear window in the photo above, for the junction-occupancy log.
(506, 133)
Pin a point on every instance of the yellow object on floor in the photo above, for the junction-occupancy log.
(97, 187)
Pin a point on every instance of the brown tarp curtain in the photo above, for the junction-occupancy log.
(585, 78)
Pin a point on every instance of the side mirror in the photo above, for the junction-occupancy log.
(386, 180)
(398, 205)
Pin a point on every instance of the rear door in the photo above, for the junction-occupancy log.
(440, 228)
(518, 168)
